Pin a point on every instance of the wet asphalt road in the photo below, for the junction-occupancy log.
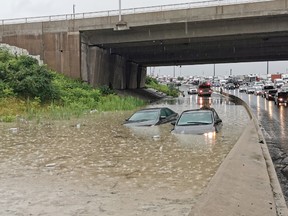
(274, 122)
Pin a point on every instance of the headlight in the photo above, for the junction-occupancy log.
(280, 99)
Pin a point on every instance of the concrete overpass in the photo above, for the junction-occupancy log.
(101, 50)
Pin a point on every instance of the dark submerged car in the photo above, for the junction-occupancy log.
(152, 116)
(198, 121)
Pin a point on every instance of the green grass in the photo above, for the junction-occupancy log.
(13, 108)
(168, 90)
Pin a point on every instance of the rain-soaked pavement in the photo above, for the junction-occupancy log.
(274, 121)
(97, 166)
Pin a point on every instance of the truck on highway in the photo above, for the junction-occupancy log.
(275, 76)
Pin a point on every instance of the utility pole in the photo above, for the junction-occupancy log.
(174, 72)
(120, 15)
(74, 10)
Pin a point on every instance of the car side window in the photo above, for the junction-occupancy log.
(163, 113)
(216, 117)
(168, 112)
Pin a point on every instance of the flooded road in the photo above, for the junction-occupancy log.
(97, 166)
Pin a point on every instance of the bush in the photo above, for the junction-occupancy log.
(22, 76)
(169, 90)
(33, 91)
(150, 81)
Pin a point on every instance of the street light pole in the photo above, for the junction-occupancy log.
(74, 10)
(120, 18)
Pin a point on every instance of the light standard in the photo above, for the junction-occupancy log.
(120, 18)
(74, 10)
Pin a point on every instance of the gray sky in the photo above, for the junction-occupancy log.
(30, 8)
(27, 8)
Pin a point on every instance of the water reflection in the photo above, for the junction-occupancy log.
(204, 101)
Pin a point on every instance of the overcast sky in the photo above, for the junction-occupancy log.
(30, 8)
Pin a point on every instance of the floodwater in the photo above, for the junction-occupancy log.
(97, 166)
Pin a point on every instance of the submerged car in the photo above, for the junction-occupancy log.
(151, 117)
(198, 121)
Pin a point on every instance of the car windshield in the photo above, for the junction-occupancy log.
(204, 87)
(144, 115)
(268, 87)
(272, 91)
(195, 118)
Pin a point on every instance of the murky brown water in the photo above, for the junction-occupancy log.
(96, 166)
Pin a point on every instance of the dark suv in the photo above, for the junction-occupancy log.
(281, 97)
(270, 94)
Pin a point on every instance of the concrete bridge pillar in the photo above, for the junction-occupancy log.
(99, 68)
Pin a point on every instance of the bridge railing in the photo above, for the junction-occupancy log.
(197, 4)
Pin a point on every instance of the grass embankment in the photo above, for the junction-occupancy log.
(31, 91)
(168, 90)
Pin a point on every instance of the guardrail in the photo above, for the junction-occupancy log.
(198, 4)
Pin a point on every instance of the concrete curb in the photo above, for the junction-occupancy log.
(279, 199)
(246, 182)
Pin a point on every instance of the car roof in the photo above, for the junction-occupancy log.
(151, 109)
(208, 109)
(283, 92)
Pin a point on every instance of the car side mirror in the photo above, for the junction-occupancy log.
(218, 121)
(162, 117)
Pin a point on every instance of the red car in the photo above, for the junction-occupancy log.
(204, 89)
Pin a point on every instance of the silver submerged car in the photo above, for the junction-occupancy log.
(151, 117)
(198, 121)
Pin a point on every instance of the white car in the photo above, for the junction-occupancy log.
(192, 90)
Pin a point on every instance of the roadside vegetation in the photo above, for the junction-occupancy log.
(31, 91)
(169, 90)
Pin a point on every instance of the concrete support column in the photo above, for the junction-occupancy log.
(99, 67)
(132, 72)
(141, 76)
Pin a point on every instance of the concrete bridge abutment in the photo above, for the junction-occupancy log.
(100, 67)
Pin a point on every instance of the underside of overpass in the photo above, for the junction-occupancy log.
(190, 43)
(245, 40)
